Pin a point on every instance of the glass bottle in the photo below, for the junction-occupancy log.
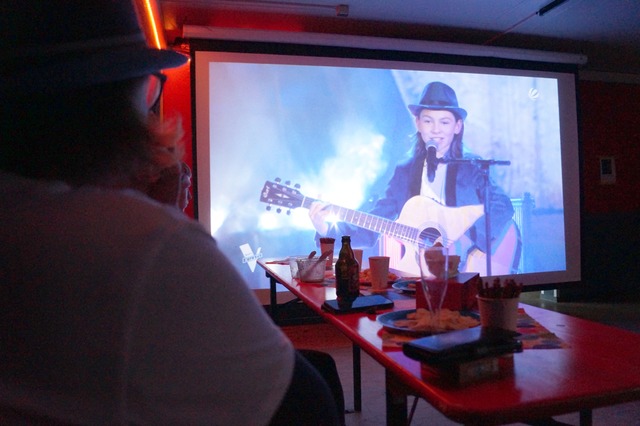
(347, 273)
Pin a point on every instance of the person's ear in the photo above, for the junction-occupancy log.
(458, 127)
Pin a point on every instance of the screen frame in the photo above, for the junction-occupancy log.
(554, 63)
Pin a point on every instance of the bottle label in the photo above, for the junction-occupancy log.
(347, 279)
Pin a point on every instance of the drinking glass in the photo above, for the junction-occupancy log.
(434, 276)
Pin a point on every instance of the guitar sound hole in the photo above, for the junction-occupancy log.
(428, 236)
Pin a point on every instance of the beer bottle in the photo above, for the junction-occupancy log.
(347, 273)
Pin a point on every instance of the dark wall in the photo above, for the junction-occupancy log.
(610, 258)
(609, 127)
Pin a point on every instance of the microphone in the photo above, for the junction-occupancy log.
(432, 160)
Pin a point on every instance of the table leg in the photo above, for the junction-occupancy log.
(357, 379)
(396, 396)
(273, 298)
(586, 417)
(585, 420)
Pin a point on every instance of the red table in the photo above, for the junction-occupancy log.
(600, 367)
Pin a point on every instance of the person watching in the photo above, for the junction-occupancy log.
(171, 186)
(116, 309)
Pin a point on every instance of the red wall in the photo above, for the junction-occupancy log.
(609, 127)
(176, 99)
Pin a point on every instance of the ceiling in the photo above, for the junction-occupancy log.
(606, 31)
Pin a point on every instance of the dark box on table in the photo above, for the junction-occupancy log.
(465, 373)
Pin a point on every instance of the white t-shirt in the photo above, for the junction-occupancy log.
(118, 310)
(435, 189)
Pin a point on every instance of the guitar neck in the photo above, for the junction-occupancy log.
(370, 222)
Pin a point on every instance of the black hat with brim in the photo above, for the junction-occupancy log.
(438, 96)
(60, 45)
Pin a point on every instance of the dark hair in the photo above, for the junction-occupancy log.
(79, 136)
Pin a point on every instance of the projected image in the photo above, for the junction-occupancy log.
(392, 157)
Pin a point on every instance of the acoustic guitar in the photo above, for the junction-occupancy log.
(422, 222)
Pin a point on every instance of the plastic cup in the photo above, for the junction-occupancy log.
(498, 313)
(311, 270)
(379, 266)
(327, 245)
(293, 265)
(358, 254)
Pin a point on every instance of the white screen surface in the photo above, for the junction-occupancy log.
(338, 126)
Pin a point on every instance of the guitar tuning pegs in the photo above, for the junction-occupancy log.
(278, 180)
(288, 183)
(268, 208)
(296, 186)
(289, 212)
(279, 210)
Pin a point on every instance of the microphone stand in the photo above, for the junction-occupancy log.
(483, 165)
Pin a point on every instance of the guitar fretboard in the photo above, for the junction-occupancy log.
(371, 222)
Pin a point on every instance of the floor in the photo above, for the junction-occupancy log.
(326, 338)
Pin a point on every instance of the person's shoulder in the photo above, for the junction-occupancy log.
(127, 201)
(119, 211)
(137, 207)
(469, 166)
(113, 216)
(469, 155)
(406, 163)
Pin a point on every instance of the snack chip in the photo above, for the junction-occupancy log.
(421, 320)
(365, 276)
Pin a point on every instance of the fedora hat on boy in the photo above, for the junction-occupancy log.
(55, 45)
(438, 96)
